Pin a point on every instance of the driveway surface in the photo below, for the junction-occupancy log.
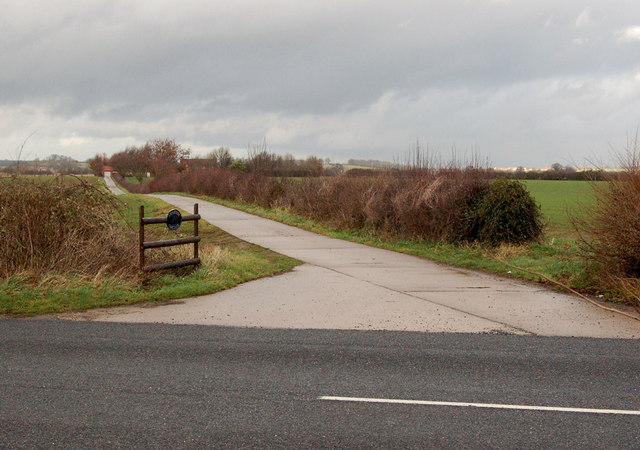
(111, 184)
(344, 285)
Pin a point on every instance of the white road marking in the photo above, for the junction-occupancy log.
(482, 405)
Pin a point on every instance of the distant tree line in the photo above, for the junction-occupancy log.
(51, 165)
(373, 163)
(158, 157)
(270, 164)
(162, 157)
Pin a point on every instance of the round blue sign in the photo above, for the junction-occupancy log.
(174, 219)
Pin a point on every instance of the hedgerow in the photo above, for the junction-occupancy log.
(453, 205)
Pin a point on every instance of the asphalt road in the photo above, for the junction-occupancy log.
(83, 384)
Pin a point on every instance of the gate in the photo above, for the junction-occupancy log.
(173, 220)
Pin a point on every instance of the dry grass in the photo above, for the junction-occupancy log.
(509, 251)
(610, 229)
(63, 226)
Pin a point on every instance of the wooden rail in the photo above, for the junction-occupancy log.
(171, 242)
(195, 239)
(187, 218)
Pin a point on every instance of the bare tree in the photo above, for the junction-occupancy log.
(18, 154)
(222, 156)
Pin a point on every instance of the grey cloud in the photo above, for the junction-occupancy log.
(123, 67)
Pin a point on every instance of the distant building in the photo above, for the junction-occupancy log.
(108, 169)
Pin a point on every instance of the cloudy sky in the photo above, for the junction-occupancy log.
(521, 82)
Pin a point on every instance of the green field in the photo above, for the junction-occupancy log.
(134, 180)
(559, 200)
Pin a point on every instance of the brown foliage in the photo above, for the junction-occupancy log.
(611, 230)
(134, 161)
(63, 226)
(165, 156)
(425, 204)
(160, 157)
(97, 163)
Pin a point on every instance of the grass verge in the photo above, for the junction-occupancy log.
(227, 262)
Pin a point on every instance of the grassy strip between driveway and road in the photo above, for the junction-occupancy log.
(226, 262)
(556, 256)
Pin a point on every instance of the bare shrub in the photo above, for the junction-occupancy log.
(439, 205)
(301, 198)
(611, 227)
(62, 225)
(167, 183)
(339, 202)
(414, 204)
(379, 204)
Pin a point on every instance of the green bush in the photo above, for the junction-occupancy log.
(508, 214)
(238, 164)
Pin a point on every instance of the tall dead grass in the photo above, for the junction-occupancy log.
(611, 227)
(61, 225)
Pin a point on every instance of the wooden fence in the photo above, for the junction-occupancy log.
(195, 239)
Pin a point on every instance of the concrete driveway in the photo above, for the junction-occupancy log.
(344, 285)
(111, 185)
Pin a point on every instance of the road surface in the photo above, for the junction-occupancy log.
(84, 384)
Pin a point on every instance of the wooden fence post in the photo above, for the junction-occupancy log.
(195, 232)
(141, 234)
